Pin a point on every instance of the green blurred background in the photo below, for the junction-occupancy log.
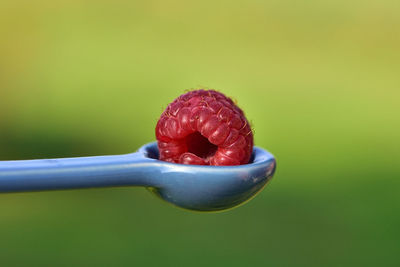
(318, 79)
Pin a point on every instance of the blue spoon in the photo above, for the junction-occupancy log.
(202, 188)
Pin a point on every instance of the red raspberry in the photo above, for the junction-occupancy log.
(204, 127)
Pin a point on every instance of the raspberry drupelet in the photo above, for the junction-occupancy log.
(204, 127)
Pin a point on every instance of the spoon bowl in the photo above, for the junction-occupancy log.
(210, 188)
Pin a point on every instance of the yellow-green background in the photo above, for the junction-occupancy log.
(320, 81)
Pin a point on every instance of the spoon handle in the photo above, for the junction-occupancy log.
(70, 173)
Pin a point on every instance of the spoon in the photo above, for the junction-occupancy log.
(193, 187)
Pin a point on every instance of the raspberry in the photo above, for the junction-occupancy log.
(204, 127)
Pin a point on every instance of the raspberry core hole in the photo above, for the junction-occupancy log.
(200, 146)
